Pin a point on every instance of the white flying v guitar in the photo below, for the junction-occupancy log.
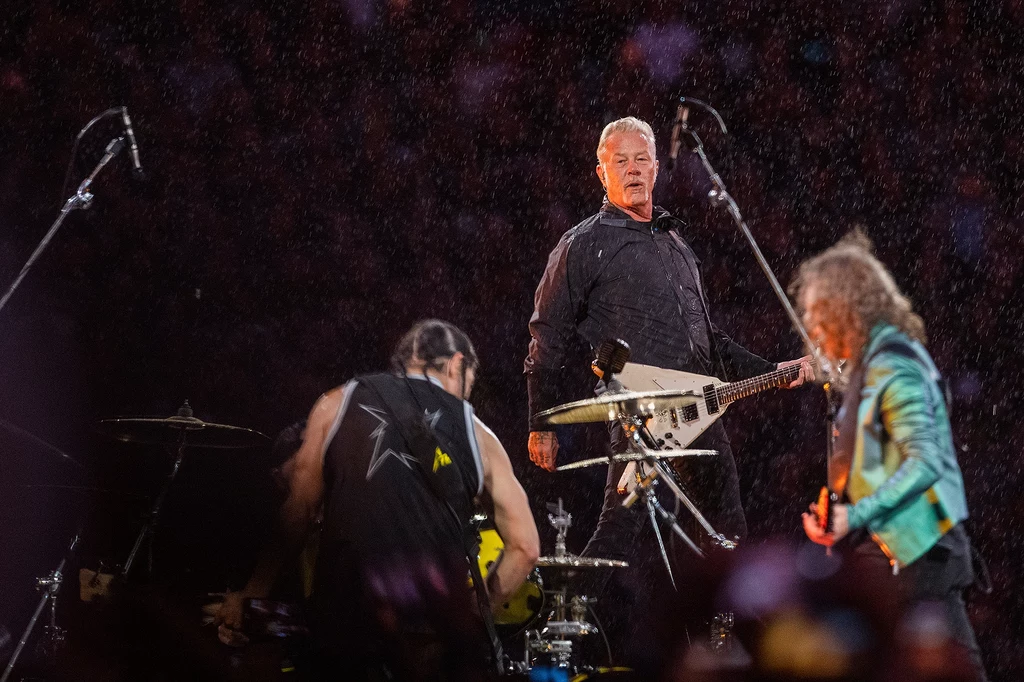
(678, 428)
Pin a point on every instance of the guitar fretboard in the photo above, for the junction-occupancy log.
(741, 389)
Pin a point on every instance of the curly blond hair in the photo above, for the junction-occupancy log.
(859, 288)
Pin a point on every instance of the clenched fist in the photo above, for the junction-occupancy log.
(543, 449)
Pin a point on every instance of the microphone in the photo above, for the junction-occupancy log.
(682, 113)
(132, 145)
(612, 356)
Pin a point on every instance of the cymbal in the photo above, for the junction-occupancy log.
(608, 407)
(572, 561)
(193, 432)
(636, 457)
(35, 441)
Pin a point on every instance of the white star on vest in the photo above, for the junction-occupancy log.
(378, 457)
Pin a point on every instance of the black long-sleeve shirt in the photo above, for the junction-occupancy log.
(614, 277)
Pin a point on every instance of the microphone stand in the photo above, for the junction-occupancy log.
(50, 587)
(719, 197)
(82, 198)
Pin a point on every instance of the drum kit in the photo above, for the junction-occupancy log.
(179, 434)
(553, 626)
(549, 613)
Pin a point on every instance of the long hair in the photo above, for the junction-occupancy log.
(851, 279)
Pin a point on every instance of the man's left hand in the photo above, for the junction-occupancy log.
(806, 370)
(840, 525)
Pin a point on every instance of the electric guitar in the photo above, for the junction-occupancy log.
(678, 428)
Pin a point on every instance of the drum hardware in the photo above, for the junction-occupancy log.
(53, 635)
(28, 437)
(612, 406)
(181, 431)
(561, 521)
(552, 642)
(181, 428)
(636, 457)
(631, 409)
(721, 632)
(570, 562)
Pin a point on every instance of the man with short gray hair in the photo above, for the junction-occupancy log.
(626, 272)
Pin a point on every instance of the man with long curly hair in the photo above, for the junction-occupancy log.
(894, 465)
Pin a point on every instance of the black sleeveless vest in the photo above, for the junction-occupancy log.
(390, 545)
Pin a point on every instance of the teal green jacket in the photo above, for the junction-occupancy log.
(904, 482)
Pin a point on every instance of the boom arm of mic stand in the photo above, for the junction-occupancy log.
(718, 196)
(82, 198)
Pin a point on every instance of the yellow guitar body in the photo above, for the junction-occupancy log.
(525, 604)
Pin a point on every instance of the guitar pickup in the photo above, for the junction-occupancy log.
(690, 413)
(711, 399)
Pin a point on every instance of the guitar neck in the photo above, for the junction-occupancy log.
(747, 387)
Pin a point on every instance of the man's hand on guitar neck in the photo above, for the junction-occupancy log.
(543, 449)
(806, 370)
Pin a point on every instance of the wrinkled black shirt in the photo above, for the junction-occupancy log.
(614, 277)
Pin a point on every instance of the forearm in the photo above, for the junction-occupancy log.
(294, 521)
(913, 478)
(542, 391)
(739, 362)
(515, 565)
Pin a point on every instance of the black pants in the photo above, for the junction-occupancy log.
(937, 578)
(712, 484)
(627, 596)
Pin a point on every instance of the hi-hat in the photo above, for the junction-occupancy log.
(637, 457)
(609, 407)
(178, 430)
(571, 561)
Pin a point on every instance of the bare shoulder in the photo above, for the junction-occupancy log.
(325, 409)
(329, 401)
(483, 432)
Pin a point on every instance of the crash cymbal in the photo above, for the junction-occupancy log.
(35, 444)
(571, 561)
(608, 407)
(637, 457)
(181, 428)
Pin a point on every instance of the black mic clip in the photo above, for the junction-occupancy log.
(682, 114)
(612, 356)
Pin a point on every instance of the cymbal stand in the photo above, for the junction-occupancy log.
(560, 520)
(552, 643)
(50, 587)
(651, 499)
(82, 198)
(154, 513)
(641, 441)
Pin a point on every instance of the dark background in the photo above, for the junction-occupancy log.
(322, 174)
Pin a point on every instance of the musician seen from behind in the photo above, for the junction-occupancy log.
(894, 465)
(628, 273)
(397, 462)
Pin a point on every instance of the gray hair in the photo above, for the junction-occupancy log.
(629, 124)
